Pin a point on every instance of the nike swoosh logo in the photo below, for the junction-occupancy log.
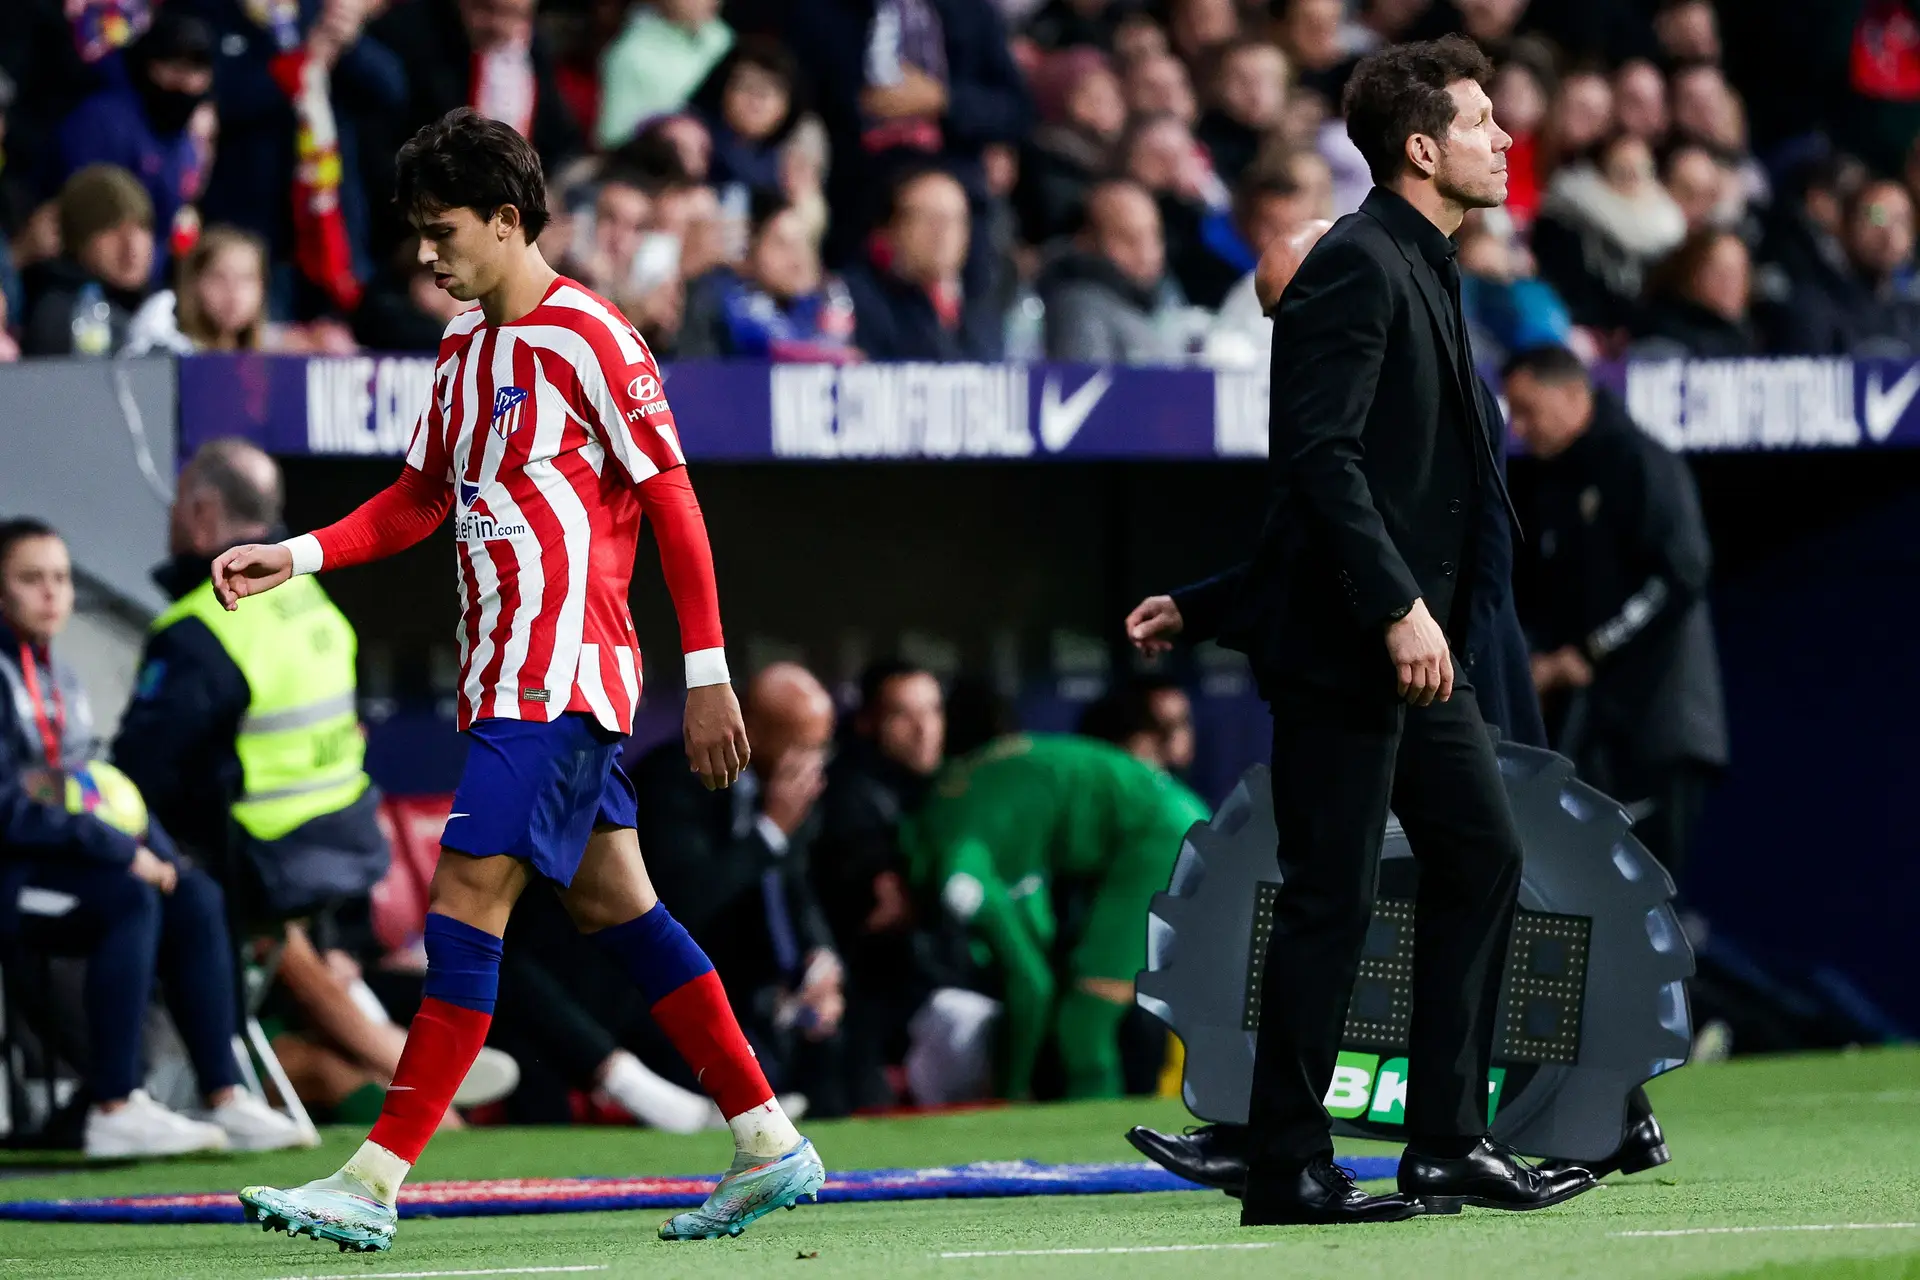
(399, 1088)
(1061, 420)
(1887, 405)
(452, 816)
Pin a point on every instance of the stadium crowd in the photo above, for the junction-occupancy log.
(838, 180)
(946, 179)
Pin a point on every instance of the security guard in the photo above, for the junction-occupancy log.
(242, 733)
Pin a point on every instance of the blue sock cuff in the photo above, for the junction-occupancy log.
(657, 952)
(463, 964)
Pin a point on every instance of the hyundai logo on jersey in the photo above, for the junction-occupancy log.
(469, 493)
(507, 402)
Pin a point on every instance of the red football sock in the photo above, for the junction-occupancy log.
(442, 1042)
(700, 1022)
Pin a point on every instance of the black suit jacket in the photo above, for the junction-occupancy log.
(1382, 459)
(714, 869)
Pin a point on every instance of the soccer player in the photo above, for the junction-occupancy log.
(1016, 820)
(550, 438)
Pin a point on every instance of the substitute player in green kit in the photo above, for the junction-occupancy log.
(1032, 818)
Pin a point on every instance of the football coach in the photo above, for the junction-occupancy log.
(1352, 607)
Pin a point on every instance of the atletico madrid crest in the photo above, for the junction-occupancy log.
(507, 405)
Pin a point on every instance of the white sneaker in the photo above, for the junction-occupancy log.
(145, 1128)
(252, 1125)
(493, 1076)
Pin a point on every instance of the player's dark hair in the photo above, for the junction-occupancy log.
(1126, 710)
(18, 530)
(873, 680)
(1551, 363)
(1401, 90)
(463, 160)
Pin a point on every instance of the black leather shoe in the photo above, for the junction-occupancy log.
(1212, 1155)
(1644, 1148)
(1490, 1176)
(1322, 1194)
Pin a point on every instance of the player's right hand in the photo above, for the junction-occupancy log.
(1153, 624)
(715, 735)
(153, 869)
(1418, 648)
(249, 570)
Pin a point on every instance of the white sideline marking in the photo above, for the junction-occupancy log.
(1134, 1248)
(419, 1275)
(1819, 1226)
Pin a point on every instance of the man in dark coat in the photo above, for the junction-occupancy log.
(1357, 594)
(1616, 601)
(732, 866)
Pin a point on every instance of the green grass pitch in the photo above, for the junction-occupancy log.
(1826, 1144)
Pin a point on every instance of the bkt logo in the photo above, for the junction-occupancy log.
(1365, 1088)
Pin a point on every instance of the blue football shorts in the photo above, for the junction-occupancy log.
(536, 791)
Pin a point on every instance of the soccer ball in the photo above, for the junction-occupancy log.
(109, 795)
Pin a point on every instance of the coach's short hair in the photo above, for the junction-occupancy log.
(463, 160)
(1550, 362)
(1401, 90)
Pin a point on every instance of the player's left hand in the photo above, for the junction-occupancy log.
(715, 735)
(249, 570)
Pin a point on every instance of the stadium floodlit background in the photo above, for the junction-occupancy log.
(940, 410)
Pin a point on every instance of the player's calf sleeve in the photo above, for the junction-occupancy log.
(463, 978)
(691, 1006)
(1088, 1031)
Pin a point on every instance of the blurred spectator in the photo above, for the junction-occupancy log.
(907, 298)
(1582, 116)
(218, 305)
(1084, 115)
(405, 308)
(779, 305)
(9, 348)
(1247, 96)
(484, 54)
(139, 123)
(1803, 270)
(82, 302)
(122, 899)
(1067, 24)
(1160, 154)
(1506, 308)
(1138, 36)
(293, 85)
(1617, 608)
(1309, 32)
(1704, 108)
(581, 43)
(1706, 190)
(1868, 303)
(12, 208)
(1697, 298)
(1284, 194)
(1602, 225)
(1688, 31)
(654, 66)
(880, 774)
(1109, 299)
(1150, 718)
(1195, 27)
(803, 174)
(749, 106)
(732, 865)
(1158, 84)
(1640, 101)
(1520, 92)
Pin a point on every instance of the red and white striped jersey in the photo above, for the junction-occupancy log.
(548, 437)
